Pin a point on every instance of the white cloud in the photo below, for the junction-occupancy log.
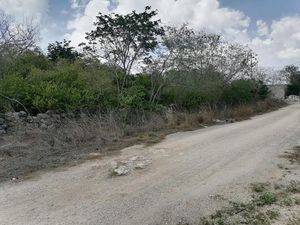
(262, 28)
(84, 22)
(200, 14)
(78, 3)
(277, 43)
(281, 46)
(20, 9)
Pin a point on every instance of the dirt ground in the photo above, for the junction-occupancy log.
(25, 150)
(187, 169)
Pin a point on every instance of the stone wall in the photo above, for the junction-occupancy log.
(10, 121)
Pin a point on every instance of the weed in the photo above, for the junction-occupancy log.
(294, 221)
(297, 201)
(294, 155)
(267, 198)
(259, 187)
(293, 187)
(273, 214)
(287, 201)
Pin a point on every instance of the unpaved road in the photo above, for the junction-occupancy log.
(186, 169)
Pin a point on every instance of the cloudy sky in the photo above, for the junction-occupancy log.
(270, 27)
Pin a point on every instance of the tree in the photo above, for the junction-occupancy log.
(186, 49)
(293, 74)
(183, 49)
(15, 38)
(123, 40)
(235, 61)
(62, 50)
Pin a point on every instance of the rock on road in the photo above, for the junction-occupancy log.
(186, 169)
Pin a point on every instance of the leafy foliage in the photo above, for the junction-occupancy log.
(245, 91)
(294, 77)
(62, 50)
(125, 39)
(181, 68)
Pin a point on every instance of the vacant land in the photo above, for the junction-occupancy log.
(28, 147)
(189, 172)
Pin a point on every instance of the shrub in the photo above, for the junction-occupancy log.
(245, 91)
(64, 87)
(134, 97)
(192, 89)
(267, 198)
(294, 76)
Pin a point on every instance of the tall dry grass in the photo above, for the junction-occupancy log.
(73, 139)
(135, 126)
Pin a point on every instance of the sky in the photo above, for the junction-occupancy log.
(270, 27)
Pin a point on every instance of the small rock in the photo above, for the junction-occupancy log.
(46, 122)
(140, 165)
(219, 121)
(51, 112)
(51, 127)
(230, 120)
(2, 121)
(71, 115)
(42, 116)
(22, 114)
(56, 116)
(15, 115)
(44, 126)
(3, 126)
(114, 165)
(14, 179)
(2, 132)
(29, 119)
(120, 170)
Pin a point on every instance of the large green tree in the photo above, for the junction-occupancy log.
(123, 40)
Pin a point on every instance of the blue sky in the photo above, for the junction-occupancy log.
(267, 10)
(270, 27)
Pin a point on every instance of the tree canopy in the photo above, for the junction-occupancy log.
(122, 40)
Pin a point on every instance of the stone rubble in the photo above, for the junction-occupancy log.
(124, 167)
(293, 99)
(50, 120)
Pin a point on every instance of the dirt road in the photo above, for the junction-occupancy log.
(187, 169)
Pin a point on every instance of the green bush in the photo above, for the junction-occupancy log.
(293, 87)
(134, 97)
(192, 89)
(64, 87)
(245, 91)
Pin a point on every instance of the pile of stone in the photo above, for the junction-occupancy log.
(124, 167)
(293, 99)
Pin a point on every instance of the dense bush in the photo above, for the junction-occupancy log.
(294, 77)
(180, 66)
(244, 91)
(38, 84)
(193, 89)
(63, 86)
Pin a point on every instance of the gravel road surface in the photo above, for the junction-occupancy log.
(187, 169)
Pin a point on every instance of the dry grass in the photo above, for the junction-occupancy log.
(294, 155)
(74, 139)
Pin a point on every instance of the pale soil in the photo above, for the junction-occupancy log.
(187, 170)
